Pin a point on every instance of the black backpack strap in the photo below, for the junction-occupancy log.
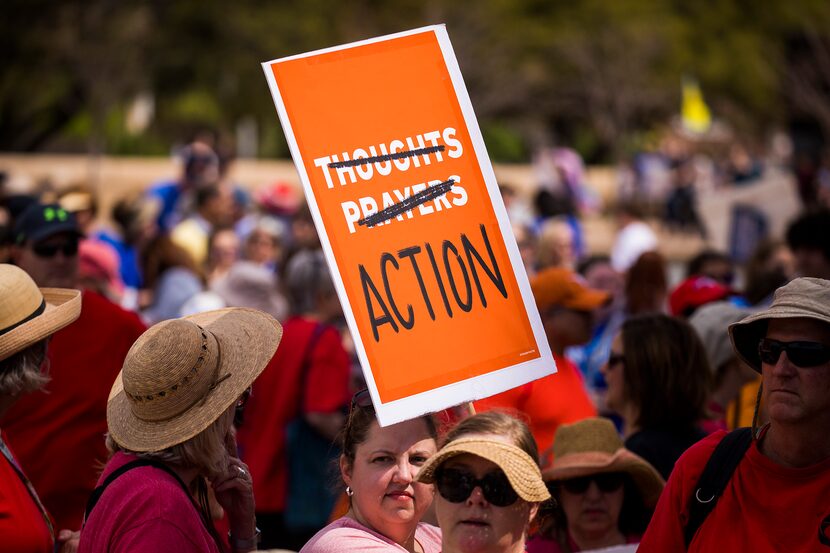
(715, 476)
(97, 492)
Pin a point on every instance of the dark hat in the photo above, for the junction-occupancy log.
(39, 222)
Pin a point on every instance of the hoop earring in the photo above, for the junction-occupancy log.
(349, 491)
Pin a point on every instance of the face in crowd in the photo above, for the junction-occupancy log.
(592, 504)
(477, 509)
(381, 477)
(795, 362)
(51, 262)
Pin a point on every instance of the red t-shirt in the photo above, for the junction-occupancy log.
(548, 402)
(144, 510)
(765, 506)
(22, 527)
(58, 434)
(276, 401)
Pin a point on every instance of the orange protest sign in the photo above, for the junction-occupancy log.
(408, 210)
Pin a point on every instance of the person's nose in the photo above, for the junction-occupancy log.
(476, 497)
(783, 368)
(404, 473)
(593, 492)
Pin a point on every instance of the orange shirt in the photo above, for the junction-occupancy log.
(547, 402)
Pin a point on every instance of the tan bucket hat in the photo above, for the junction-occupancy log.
(183, 374)
(28, 313)
(801, 298)
(521, 470)
(593, 446)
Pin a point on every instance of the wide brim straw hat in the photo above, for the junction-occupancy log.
(593, 446)
(181, 375)
(28, 313)
(521, 470)
(801, 298)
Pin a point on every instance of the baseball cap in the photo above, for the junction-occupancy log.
(696, 291)
(40, 221)
(556, 286)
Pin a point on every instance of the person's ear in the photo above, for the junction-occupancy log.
(345, 470)
(534, 510)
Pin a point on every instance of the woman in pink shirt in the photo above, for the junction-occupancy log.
(170, 416)
(378, 466)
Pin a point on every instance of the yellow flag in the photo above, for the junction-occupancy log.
(694, 111)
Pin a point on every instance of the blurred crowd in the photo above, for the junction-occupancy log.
(645, 365)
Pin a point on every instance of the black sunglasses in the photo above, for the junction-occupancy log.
(616, 359)
(606, 482)
(363, 400)
(68, 248)
(800, 354)
(456, 485)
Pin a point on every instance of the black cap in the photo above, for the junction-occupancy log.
(39, 222)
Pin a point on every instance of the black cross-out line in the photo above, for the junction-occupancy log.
(387, 157)
(407, 204)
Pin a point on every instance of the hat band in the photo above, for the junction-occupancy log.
(37, 312)
(194, 376)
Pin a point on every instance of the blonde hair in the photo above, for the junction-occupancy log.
(207, 451)
(21, 372)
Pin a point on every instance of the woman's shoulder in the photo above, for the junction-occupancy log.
(345, 535)
(147, 488)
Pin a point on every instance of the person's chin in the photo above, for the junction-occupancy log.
(473, 535)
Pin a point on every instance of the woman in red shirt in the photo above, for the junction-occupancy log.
(28, 316)
(170, 417)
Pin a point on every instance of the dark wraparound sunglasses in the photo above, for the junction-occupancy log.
(456, 485)
(607, 483)
(68, 248)
(800, 354)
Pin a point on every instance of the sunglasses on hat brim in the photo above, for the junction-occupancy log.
(802, 354)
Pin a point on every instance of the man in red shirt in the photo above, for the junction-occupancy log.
(58, 432)
(777, 496)
(566, 306)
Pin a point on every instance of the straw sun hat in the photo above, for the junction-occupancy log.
(802, 298)
(592, 446)
(521, 470)
(28, 313)
(183, 374)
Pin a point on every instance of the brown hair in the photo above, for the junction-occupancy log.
(666, 371)
(500, 423)
(645, 284)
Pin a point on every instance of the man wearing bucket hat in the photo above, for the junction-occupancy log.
(776, 496)
(67, 419)
(28, 316)
(170, 416)
(566, 306)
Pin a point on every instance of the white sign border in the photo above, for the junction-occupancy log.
(473, 388)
